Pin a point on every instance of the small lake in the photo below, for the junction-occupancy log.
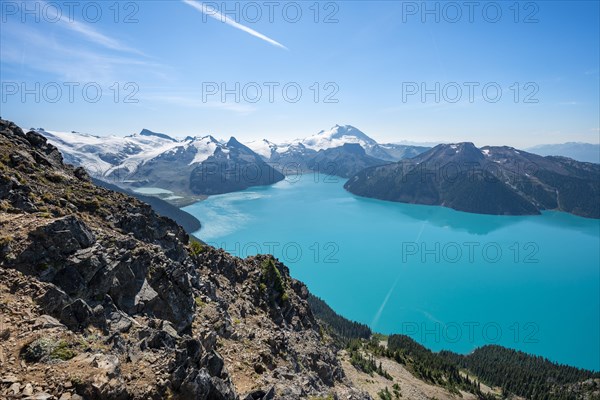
(450, 280)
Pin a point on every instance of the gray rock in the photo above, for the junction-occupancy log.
(196, 386)
(120, 322)
(47, 322)
(214, 363)
(77, 315)
(160, 340)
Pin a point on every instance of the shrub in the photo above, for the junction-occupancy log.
(62, 352)
(199, 302)
(44, 350)
(271, 277)
(196, 248)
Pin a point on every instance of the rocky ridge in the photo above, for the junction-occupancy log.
(103, 299)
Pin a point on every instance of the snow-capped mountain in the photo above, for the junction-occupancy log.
(333, 151)
(204, 165)
(263, 148)
(337, 137)
(158, 160)
(101, 156)
(333, 138)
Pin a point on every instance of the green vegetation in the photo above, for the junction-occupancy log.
(199, 302)
(47, 350)
(522, 374)
(386, 395)
(397, 391)
(271, 277)
(423, 363)
(62, 352)
(336, 324)
(366, 364)
(557, 183)
(196, 248)
(427, 365)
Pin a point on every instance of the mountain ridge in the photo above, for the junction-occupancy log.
(488, 180)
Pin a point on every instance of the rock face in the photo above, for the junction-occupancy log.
(100, 298)
(235, 168)
(490, 180)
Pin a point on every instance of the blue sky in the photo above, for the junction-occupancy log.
(173, 58)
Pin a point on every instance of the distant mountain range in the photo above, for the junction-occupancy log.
(207, 166)
(191, 166)
(587, 152)
(341, 150)
(487, 180)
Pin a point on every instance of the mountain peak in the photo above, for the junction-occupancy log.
(336, 137)
(233, 143)
(147, 132)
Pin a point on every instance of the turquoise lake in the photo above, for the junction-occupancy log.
(448, 279)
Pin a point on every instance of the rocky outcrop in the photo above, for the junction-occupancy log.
(100, 298)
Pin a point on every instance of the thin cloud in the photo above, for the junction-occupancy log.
(28, 48)
(90, 33)
(214, 13)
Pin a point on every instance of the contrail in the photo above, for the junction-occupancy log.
(214, 13)
(389, 294)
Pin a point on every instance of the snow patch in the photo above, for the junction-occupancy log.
(205, 148)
